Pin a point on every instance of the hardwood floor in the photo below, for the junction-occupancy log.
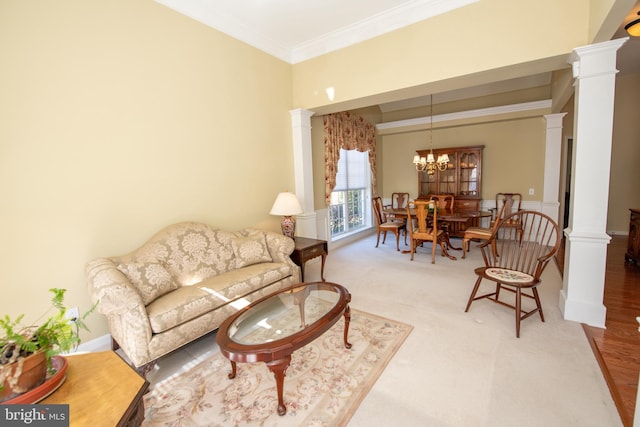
(617, 348)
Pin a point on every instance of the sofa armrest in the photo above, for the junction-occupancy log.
(122, 304)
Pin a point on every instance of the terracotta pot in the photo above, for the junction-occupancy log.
(23, 375)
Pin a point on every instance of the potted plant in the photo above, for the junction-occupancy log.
(26, 351)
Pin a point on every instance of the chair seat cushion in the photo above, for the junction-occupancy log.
(391, 225)
(504, 275)
(478, 232)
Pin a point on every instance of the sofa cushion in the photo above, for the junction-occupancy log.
(251, 249)
(150, 278)
(188, 302)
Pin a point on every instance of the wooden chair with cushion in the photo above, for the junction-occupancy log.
(383, 225)
(511, 203)
(444, 202)
(515, 261)
(422, 232)
(398, 201)
(479, 233)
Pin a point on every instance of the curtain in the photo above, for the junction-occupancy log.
(350, 132)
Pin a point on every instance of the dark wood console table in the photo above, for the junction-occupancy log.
(307, 249)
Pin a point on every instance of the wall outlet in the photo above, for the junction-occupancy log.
(72, 314)
(531, 192)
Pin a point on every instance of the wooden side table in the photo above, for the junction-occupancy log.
(307, 249)
(101, 389)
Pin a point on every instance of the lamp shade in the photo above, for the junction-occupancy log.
(286, 204)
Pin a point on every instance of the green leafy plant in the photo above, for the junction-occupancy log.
(56, 334)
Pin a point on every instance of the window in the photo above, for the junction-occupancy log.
(348, 210)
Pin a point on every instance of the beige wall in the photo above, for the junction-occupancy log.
(624, 185)
(513, 156)
(449, 51)
(120, 117)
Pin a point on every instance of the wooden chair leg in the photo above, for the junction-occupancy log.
(537, 298)
(397, 233)
(518, 310)
(465, 242)
(434, 244)
(413, 248)
(378, 240)
(473, 293)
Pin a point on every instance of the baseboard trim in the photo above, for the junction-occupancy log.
(101, 343)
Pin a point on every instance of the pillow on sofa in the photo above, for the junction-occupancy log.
(250, 250)
(151, 279)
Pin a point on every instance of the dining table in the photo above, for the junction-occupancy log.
(458, 219)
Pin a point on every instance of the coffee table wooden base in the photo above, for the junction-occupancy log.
(279, 366)
(294, 316)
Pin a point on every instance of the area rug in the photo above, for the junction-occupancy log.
(323, 386)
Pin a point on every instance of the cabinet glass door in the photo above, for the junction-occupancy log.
(428, 183)
(468, 168)
(447, 178)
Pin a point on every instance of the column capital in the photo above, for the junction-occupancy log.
(587, 61)
(301, 117)
(554, 120)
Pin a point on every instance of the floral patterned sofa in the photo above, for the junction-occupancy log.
(183, 283)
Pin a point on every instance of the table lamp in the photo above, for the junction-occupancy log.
(287, 204)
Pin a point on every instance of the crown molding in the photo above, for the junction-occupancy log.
(465, 115)
(381, 23)
(378, 24)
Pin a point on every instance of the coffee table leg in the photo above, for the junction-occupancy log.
(324, 257)
(279, 367)
(232, 374)
(347, 320)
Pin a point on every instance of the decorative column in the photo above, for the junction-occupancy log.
(303, 170)
(594, 71)
(552, 159)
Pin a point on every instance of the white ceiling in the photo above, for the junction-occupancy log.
(297, 30)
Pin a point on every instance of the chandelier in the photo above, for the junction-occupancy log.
(429, 164)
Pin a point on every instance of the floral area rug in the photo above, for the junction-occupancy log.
(323, 386)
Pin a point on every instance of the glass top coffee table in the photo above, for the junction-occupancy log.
(270, 329)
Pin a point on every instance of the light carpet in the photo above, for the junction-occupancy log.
(457, 369)
(323, 386)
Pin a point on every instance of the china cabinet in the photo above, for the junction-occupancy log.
(462, 176)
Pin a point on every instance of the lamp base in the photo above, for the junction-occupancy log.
(288, 225)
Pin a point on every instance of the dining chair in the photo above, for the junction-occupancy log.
(479, 233)
(515, 261)
(383, 225)
(511, 203)
(444, 202)
(422, 232)
(398, 201)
